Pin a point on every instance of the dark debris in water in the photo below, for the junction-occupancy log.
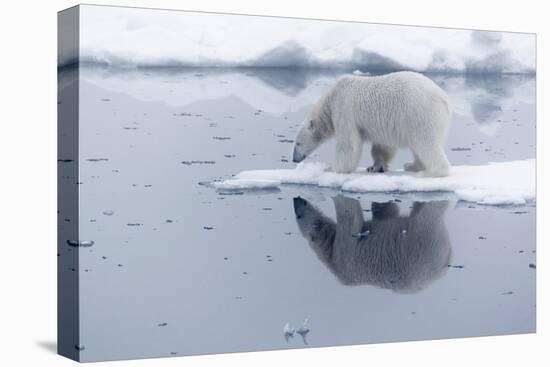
(482, 238)
(532, 266)
(361, 234)
(221, 137)
(208, 228)
(97, 159)
(229, 155)
(183, 114)
(134, 224)
(105, 99)
(506, 293)
(188, 163)
(460, 149)
(163, 324)
(81, 243)
(455, 266)
(286, 141)
(130, 128)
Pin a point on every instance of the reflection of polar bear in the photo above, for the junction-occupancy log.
(390, 251)
(403, 109)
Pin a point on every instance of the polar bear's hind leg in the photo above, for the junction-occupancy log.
(382, 156)
(433, 159)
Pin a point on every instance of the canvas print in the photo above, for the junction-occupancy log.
(233, 183)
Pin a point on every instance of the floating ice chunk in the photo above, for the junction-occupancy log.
(288, 331)
(303, 330)
(312, 173)
(246, 184)
(359, 72)
(502, 183)
(361, 234)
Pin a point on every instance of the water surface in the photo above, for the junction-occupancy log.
(176, 268)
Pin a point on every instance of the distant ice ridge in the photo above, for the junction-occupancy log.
(138, 37)
(503, 183)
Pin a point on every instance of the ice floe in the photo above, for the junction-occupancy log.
(244, 184)
(503, 183)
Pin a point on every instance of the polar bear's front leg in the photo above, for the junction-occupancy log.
(349, 220)
(382, 156)
(348, 152)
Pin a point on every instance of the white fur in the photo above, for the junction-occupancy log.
(397, 110)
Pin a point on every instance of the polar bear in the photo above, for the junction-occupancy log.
(392, 251)
(402, 109)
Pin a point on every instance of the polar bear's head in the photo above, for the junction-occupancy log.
(315, 130)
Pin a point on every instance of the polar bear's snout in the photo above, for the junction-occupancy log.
(299, 205)
(309, 137)
(298, 155)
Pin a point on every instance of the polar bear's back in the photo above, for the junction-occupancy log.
(393, 108)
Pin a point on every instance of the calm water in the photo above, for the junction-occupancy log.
(177, 268)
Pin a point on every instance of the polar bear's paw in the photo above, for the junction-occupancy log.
(377, 168)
